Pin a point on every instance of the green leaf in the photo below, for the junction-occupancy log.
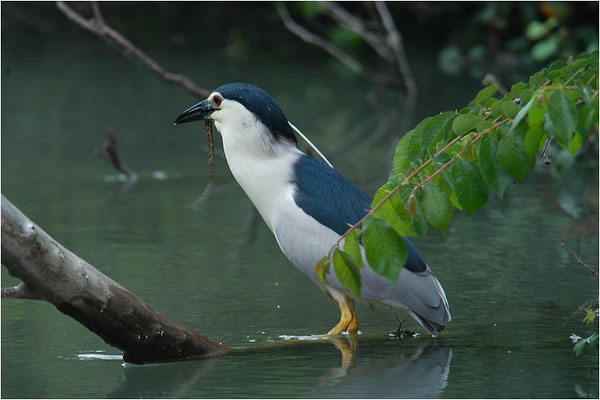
(322, 268)
(471, 190)
(464, 123)
(493, 174)
(420, 223)
(513, 157)
(386, 251)
(585, 119)
(407, 151)
(347, 270)
(352, 247)
(517, 88)
(483, 125)
(544, 49)
(532, 140)
(523, 112)
(433, 129)
(393, 211)
(437, 208)
(536, 30)
(562, 114)
(510, 109)
(536, 116)
(583, 344)
(496, 109)
(575, 144)
(590, 316)
(485, 93)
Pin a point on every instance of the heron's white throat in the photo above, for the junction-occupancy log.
(261, 164)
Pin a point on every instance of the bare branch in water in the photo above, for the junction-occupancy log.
(80, 291)
(108, 151)
(98, 27)
(578, 259)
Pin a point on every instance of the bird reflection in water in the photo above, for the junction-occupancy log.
(301, 367)
(421, 373)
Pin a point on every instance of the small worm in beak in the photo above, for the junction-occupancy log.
(208, 189)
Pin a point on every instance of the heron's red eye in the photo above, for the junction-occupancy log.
(217, 100)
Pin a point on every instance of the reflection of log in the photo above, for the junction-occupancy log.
(51, 272)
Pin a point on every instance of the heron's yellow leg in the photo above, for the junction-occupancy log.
(348, 320)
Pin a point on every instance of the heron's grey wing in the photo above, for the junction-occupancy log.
(420, 292)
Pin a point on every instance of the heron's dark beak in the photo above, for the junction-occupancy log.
(200, 111)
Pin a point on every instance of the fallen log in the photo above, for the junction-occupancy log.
(51, 272)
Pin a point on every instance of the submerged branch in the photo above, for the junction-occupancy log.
(108, 151)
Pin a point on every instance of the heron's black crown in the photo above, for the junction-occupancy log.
(261, 104)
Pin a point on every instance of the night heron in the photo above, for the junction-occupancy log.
(308, 205)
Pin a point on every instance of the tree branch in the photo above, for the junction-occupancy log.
(578, 259)
(98, 27)
(77, 289)
(311, 38)
(354, 24)
(21, 291)
(395, 42)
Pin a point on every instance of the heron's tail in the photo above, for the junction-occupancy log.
(433, 328)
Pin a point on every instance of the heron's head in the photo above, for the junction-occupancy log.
(243, 114)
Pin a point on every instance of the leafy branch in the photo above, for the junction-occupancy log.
(451, 161)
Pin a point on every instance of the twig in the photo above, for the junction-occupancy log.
(108, 151)
(360, 221)
(580, 70)
(309, 37)
(578, 259)
(97, 14)
(561, 88)
(446, 147)
(395, 42)
(98, 27)
(591, 79)
(21, 291)
(354, 24)
(546, 152)
(437, 172)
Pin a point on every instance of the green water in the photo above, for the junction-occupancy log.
(513, 290)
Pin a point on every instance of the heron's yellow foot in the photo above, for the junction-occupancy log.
(348, 319)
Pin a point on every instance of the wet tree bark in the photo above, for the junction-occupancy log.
(51, 272)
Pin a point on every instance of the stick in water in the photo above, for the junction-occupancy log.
(208, 189)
